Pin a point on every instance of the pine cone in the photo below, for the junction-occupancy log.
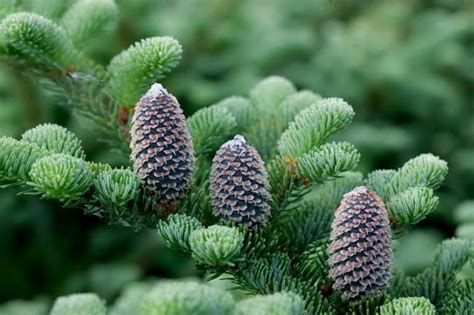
(360, 249)
(239, 184)
(162, 150)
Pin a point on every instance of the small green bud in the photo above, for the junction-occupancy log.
(38, 41)
(281, 303)
(61, 176)
(101, 17)
(425, 170)
(216, 245)
(295, 103)
(240, 108)
(270, 92)
(328, 161)
(408, 305)
(117, 186)
(210, 127)
(79, 304)
(55, 139)
(97, 167)
(133, 71)
(314, 125)
(378, 179)
(412, 205)
(130, 299)
(17, 158)
(184, 298)
(176, 229)
(452, 254)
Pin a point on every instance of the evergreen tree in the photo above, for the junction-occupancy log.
(248, 187)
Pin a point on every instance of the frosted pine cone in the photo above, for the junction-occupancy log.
(162, 150)
(239, 184)
(360, 249)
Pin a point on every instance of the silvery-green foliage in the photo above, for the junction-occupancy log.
(116, 186)
(177, 229)
(186, 298)
(286, 259)
(60, 176)
(79, 304)
(216, 245)
(273, 304)
(55, 139)
(412, 305)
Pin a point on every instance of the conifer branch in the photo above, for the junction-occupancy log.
(247, 187)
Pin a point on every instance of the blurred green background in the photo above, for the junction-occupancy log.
(407, 68)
